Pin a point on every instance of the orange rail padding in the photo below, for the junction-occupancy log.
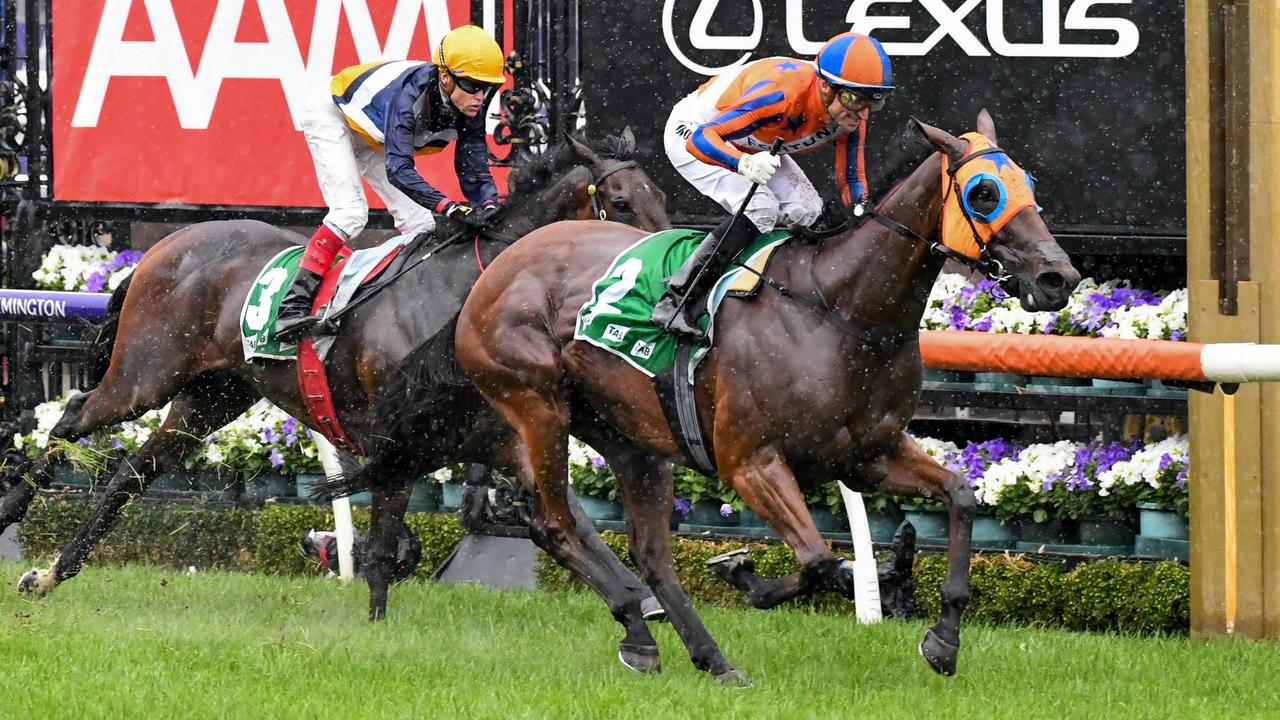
(1059, 356)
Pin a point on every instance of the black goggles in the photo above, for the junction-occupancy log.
(469, 86)
(852, 99)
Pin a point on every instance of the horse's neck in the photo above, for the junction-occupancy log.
(877, 277)
(556, 202)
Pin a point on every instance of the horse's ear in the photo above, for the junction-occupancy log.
(628, 140)
(987, 126)
(942, 140)
(584, 153)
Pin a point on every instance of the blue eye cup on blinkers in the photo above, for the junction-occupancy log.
(1000, 204)
(1031, 183)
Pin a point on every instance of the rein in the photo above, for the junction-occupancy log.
(985, 264)
(592, 187)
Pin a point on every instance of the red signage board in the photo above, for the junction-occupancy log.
(193, 101)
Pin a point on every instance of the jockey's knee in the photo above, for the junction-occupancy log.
(350, 221)
(804, 211)
(762, 210)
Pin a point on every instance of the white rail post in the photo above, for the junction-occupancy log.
(342, 525)
(866, 579)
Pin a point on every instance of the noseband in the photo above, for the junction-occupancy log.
(593, 186)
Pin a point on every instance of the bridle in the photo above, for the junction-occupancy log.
(984, 263)
(594, 185)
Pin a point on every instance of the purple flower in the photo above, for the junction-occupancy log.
(1181, 479)
(115, 444)
(1165, 459)
(211, 437)
(598, 462)
(96, 282)
(289, 426)
(85, 442)
(290, 439)
(958, 318)
(726, 510)
(1178, 335)
(684, 507)
(983, 325)
(269, 435)
(276, 458)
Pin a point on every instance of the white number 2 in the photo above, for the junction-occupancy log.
(627, 273)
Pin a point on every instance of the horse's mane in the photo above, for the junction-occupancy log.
(909, 149)
(543, 170)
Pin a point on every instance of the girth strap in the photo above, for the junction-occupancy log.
(679, 405)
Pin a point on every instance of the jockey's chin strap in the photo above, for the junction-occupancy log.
(984, 263)
(593, 188)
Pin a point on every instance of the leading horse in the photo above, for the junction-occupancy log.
(174, 336)
(817, 378)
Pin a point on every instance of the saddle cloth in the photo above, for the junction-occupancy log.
(340, 286)
(616, 318)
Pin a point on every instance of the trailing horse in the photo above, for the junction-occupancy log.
(174, 337)
(816, 378)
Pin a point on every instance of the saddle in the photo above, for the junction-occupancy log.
(350, 281)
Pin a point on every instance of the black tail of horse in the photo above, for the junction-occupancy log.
(422, 412)
(100, 348)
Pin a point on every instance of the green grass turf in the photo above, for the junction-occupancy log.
(139, 642)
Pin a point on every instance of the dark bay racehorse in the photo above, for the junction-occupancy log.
(174, 334)
(815, 383)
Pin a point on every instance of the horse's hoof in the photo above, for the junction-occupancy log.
(734, 678)
(725, 565)
(641, 658)
(35, 581)
(651, 610)
(940, 654)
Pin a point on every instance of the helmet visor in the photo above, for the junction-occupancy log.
(469, 86)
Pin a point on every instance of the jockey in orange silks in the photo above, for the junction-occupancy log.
(718, 139)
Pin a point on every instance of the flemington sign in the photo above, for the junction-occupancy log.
(1096, 86)
(195, 101)
(51, 306)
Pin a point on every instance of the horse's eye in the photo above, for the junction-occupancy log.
(622, 206)
(983, 198)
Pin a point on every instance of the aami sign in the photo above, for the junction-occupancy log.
(192, 101)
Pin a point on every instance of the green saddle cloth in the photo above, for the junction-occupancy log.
(258, 316)
(616, 318)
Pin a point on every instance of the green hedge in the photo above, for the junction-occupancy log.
(1137, 597)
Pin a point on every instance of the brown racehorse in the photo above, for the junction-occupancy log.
(177, 327)
(816, 382)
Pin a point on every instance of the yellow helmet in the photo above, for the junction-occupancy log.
(469, 52)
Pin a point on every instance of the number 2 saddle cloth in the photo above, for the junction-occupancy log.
(616, 318)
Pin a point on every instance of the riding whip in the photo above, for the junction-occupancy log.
(773, 150)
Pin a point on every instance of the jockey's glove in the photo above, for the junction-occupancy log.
(758, 168)
(476, 219)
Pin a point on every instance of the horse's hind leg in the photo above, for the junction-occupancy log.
(381, 564)
(206, 405)
(908, 470)
(769, 488)
(648, 493)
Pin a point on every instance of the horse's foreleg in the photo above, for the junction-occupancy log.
(192, 416)
(648, 494)
(769, 488)
(908, 470)
(386, 528)
(13, 506)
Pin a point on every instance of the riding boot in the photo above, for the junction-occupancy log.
(682, 285)
(294, 319)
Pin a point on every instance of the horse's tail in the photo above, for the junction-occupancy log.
(100, 348)
(417, 416)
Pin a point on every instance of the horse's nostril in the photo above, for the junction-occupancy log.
(1051, 282)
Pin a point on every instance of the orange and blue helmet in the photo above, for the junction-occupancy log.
(857, 62)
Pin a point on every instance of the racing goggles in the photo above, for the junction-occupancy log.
(858, 98)
(469, 86)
